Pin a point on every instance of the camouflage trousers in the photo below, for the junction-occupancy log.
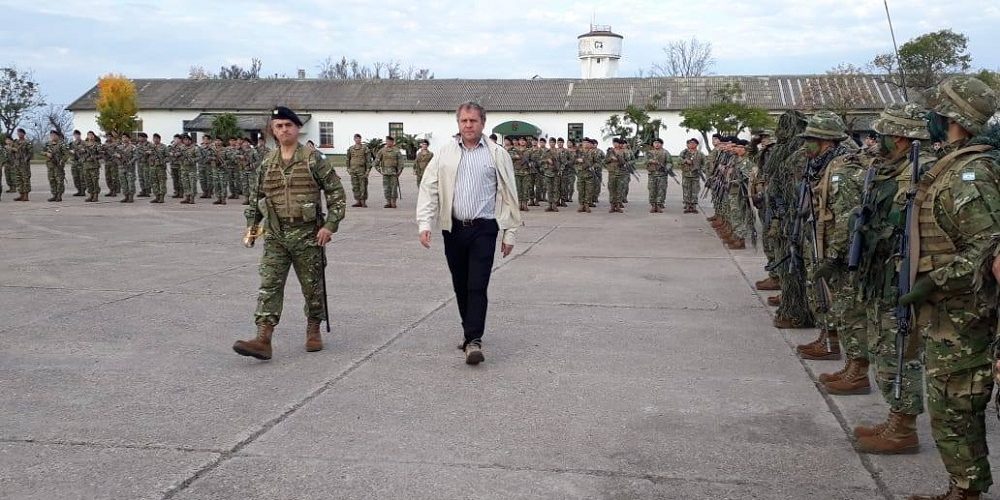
(10, 172)
(57, 179)
(882, 352)
(189, 180)
(126, 179)
(206, 174)
(222, 180)
(235, 182)
(76, 171)
(625, 186)
(111, 177)
(738, 213)
(690, 188)
(359, 185)
(419, 174)
(523, 185)
(585, 183)
(957, 339)
(293, 246)
(143, 173)
(568, 182)
(768, 242)
(390, 187)
(552, 188)
(158, 180)
(598, 183)
(537, 190)
(246, 178)
(176, 181)
(616, 187)
(657, 185)
(92, 179)
(848, 311)
(24, 178)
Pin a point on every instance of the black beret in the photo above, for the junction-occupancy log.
(76, 132)
(390, 138)
(21, 130)
(283, 113)
(657, 140)
(561, 140)
(694, 140)
(156, 136)
(143, 135)
(178, 136)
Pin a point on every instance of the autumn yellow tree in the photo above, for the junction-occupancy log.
(116, 104)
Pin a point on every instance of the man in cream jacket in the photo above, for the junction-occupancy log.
(469, 192)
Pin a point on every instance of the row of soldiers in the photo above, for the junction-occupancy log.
(551, 173)
(224, 171)
(891, 250)
(15, 164)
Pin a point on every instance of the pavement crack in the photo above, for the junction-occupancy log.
(109, 446)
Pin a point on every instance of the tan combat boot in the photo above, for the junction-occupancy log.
(812, 345)
(853, 381)
(837, 375)
(953, 493)
(357, 204)
(897, 436)
(774, 301)
(783, 323)
(712, 218)
(737, 244)
(260, 346)
(313, 340)
(768, 285)
(827, 349)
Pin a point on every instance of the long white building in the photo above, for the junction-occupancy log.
(335, 110)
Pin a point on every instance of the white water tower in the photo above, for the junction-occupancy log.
(600, 50)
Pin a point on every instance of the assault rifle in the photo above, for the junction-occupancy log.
(904, 314)
(320, 218)
(861, 220)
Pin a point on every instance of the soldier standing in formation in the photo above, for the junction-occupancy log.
(22, 153)
(76, 164)
(157, 156)
(692, 162)
(359, 164)
(55, 152)
(423, 158)
(657, 162)
(550, 167)
(287, 205)
(389, 162)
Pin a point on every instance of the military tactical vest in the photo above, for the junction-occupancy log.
(423, 158)
(936, 247)
(290, 189)
(389, 159)
(656, 161)
(848, 164)
(356, 156)
(614, 160)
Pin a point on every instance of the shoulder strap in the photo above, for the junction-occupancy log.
(927, 178)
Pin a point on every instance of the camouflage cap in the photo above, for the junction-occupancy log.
(903, 120)
(825, 125)
(965, 99)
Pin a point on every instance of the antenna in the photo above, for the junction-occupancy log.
(902, 74)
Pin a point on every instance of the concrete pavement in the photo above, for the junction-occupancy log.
(626, 357)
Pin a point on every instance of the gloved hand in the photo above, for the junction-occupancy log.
(251, 235)
(824, 270)
(919, 292)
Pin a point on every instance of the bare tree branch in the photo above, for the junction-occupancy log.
(685, 58)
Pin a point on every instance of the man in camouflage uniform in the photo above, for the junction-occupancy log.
(156, 157)
(519, 156)
(833, 193)
(711, 164)
(4, 157)
(557, 156)
(125, 155)
(109, 153)
(535, 179)
(765, 209)
(55, 152)
(567, 155)
(724, 163)
(90, 155)
(358, 167)
(207, 160)
(186, 154)
(23, 151)
(76, 164)
(288, 206)
(587, 164)
(175, 168)
(628, 169)
(423, 158)
(598, 154)
(614, 163)
(141, 155)
(7, 164)
(958, 210)
(884, 203)
(229, 158)
(389, 162)
(692, 163)
(740, 213)
(657, 162)
(548, 163)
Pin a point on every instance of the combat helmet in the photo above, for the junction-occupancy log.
(825, 125)
(965, 99)
(903, 120)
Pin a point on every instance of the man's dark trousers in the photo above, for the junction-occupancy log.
(469, 248)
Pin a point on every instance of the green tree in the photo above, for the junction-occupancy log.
(19, 95)
(226, 126)
(635, 125)
(374, 144)
(116, 104)
(927, 59)
(991, 78)
(727, 115)
(409, 144)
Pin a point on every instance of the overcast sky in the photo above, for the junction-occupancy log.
(69, 43)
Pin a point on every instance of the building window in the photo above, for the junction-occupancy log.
(574, 132)
(326, 134)
(598, 60)
(396, 129)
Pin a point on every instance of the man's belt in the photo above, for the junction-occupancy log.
(470, 222)
(292, 221)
